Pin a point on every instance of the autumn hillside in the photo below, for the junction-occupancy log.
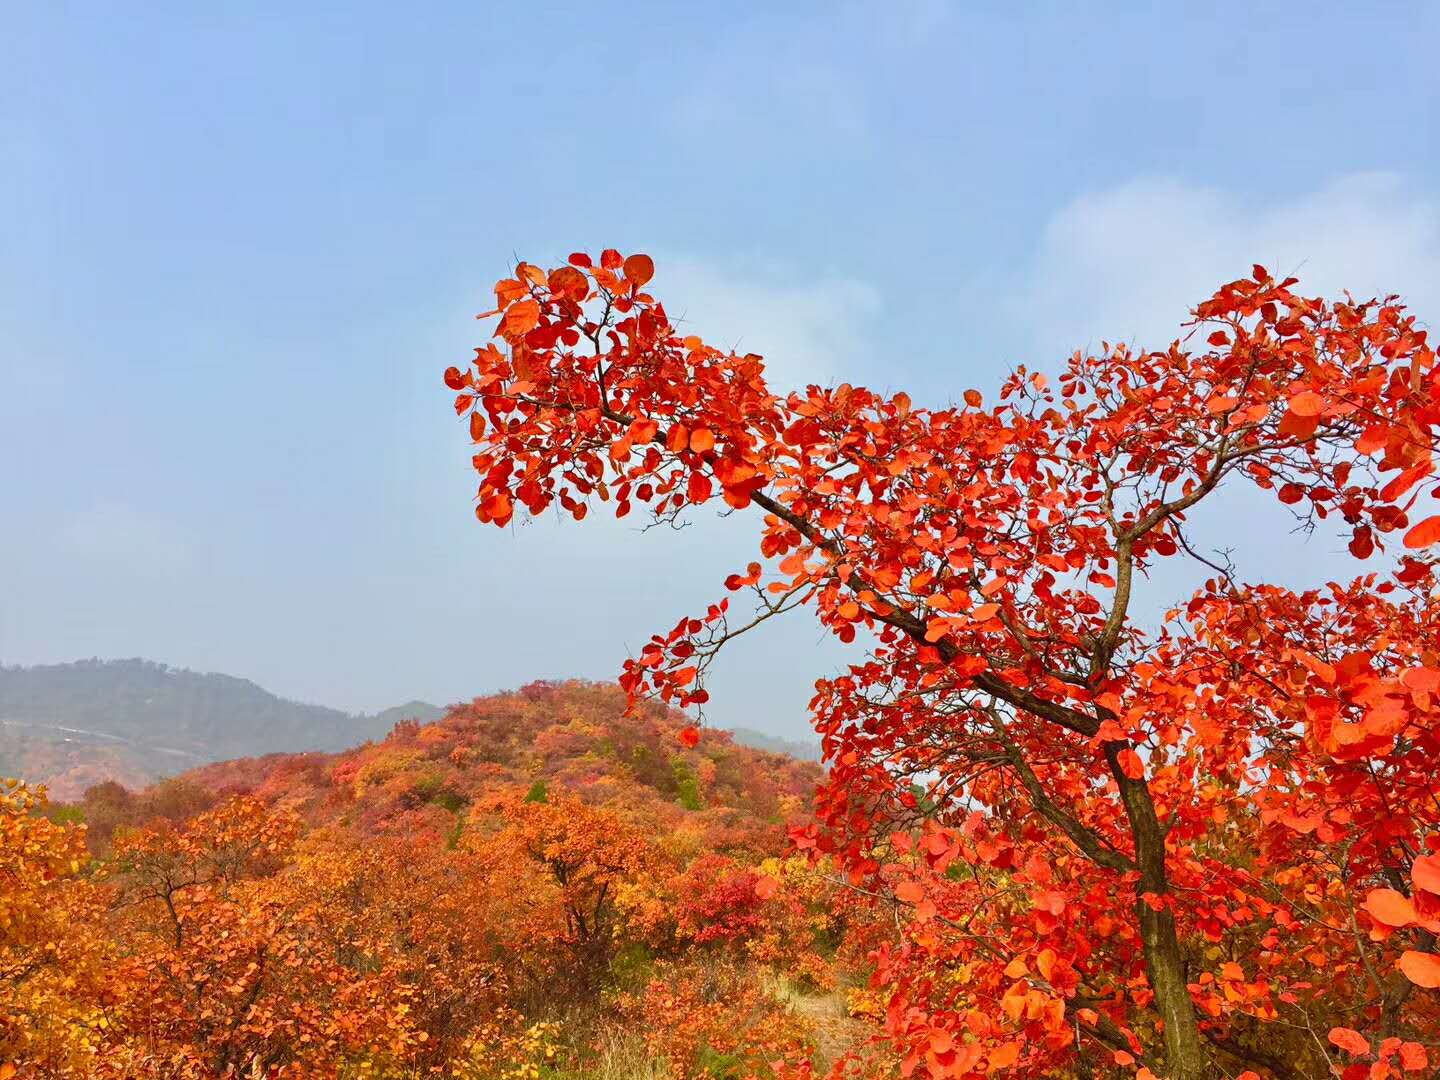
(72, 726)
(539, 884)
(570, 737)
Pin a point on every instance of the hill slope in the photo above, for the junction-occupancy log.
(545, 736)
(540, 883)
(70, 726)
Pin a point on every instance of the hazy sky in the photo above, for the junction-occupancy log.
(238, 245)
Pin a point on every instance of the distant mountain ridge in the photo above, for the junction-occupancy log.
(775, 744)
(79, 723)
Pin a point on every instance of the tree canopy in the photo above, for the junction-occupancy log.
(1012, 749)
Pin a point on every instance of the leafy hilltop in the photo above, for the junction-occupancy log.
(70, 726)
(538, 884)
(571, 736)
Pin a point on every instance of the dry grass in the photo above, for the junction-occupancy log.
(836, 1031)
(624, 1056)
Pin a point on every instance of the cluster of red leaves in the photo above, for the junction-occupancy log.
(1247, 771)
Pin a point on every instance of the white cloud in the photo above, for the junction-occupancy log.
(1128, 264)
(808, 328)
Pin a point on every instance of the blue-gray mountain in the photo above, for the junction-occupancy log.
(134, 720)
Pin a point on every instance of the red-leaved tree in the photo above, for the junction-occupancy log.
(1199, 845)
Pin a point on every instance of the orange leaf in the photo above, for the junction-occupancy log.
(520, 318)
(1221, 403)
(1349, 1040)
(1045, 963)
(1307, 403)
(567, 281)
(766, 887)
(1421, 968)
(1390, 907)
(911, 892)
(1131, 765)
(1425, 872)
(690, 736)
(1002, 1057)
(1424, 534)
(639, 269)
(701, 440)
(1406, 480)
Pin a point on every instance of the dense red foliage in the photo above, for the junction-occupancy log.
(1015, 750)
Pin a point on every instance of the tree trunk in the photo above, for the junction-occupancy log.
(1187, 1057)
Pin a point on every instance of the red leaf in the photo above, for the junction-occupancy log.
(1131, 765)
(1002, 1057)
(911, 892)
(520, 318)
(1425, 872)
(1349, 1040)
(569, 282)
(1390, 907)
(1406, 480)
(1413, 1057)
(1421, 968)
(639, 269)
(690, 736)
(1424, 534)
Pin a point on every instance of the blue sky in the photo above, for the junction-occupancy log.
(240, 243)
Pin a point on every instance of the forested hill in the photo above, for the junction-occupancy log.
(542, 883)
(569, 736)
(69, 725)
